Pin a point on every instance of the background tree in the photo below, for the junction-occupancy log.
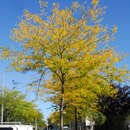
(55, 118)
(116, 109)
(69, 47)
(17, 109)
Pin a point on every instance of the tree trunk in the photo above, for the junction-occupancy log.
(61, 115)
(76, 123)
(61, 107)
(80, 121)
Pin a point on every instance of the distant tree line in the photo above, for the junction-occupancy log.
(17, 109)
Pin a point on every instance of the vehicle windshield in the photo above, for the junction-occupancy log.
(6, 128)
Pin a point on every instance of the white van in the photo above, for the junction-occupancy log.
(15, 127)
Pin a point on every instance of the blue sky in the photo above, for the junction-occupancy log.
(117, 12)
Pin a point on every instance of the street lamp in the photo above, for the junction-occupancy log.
(2, 98)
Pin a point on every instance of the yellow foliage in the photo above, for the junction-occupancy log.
(75, 5)
(95, 2)
(71, 51)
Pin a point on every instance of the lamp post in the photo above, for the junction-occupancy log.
(2, 98)
(36, 127)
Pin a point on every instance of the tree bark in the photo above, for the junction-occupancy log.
(80, 120)
(61, 107)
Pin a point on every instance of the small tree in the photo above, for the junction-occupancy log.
(116, 108)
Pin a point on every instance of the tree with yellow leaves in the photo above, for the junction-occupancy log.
(73, 50)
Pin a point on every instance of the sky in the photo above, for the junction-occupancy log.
(117, 13)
